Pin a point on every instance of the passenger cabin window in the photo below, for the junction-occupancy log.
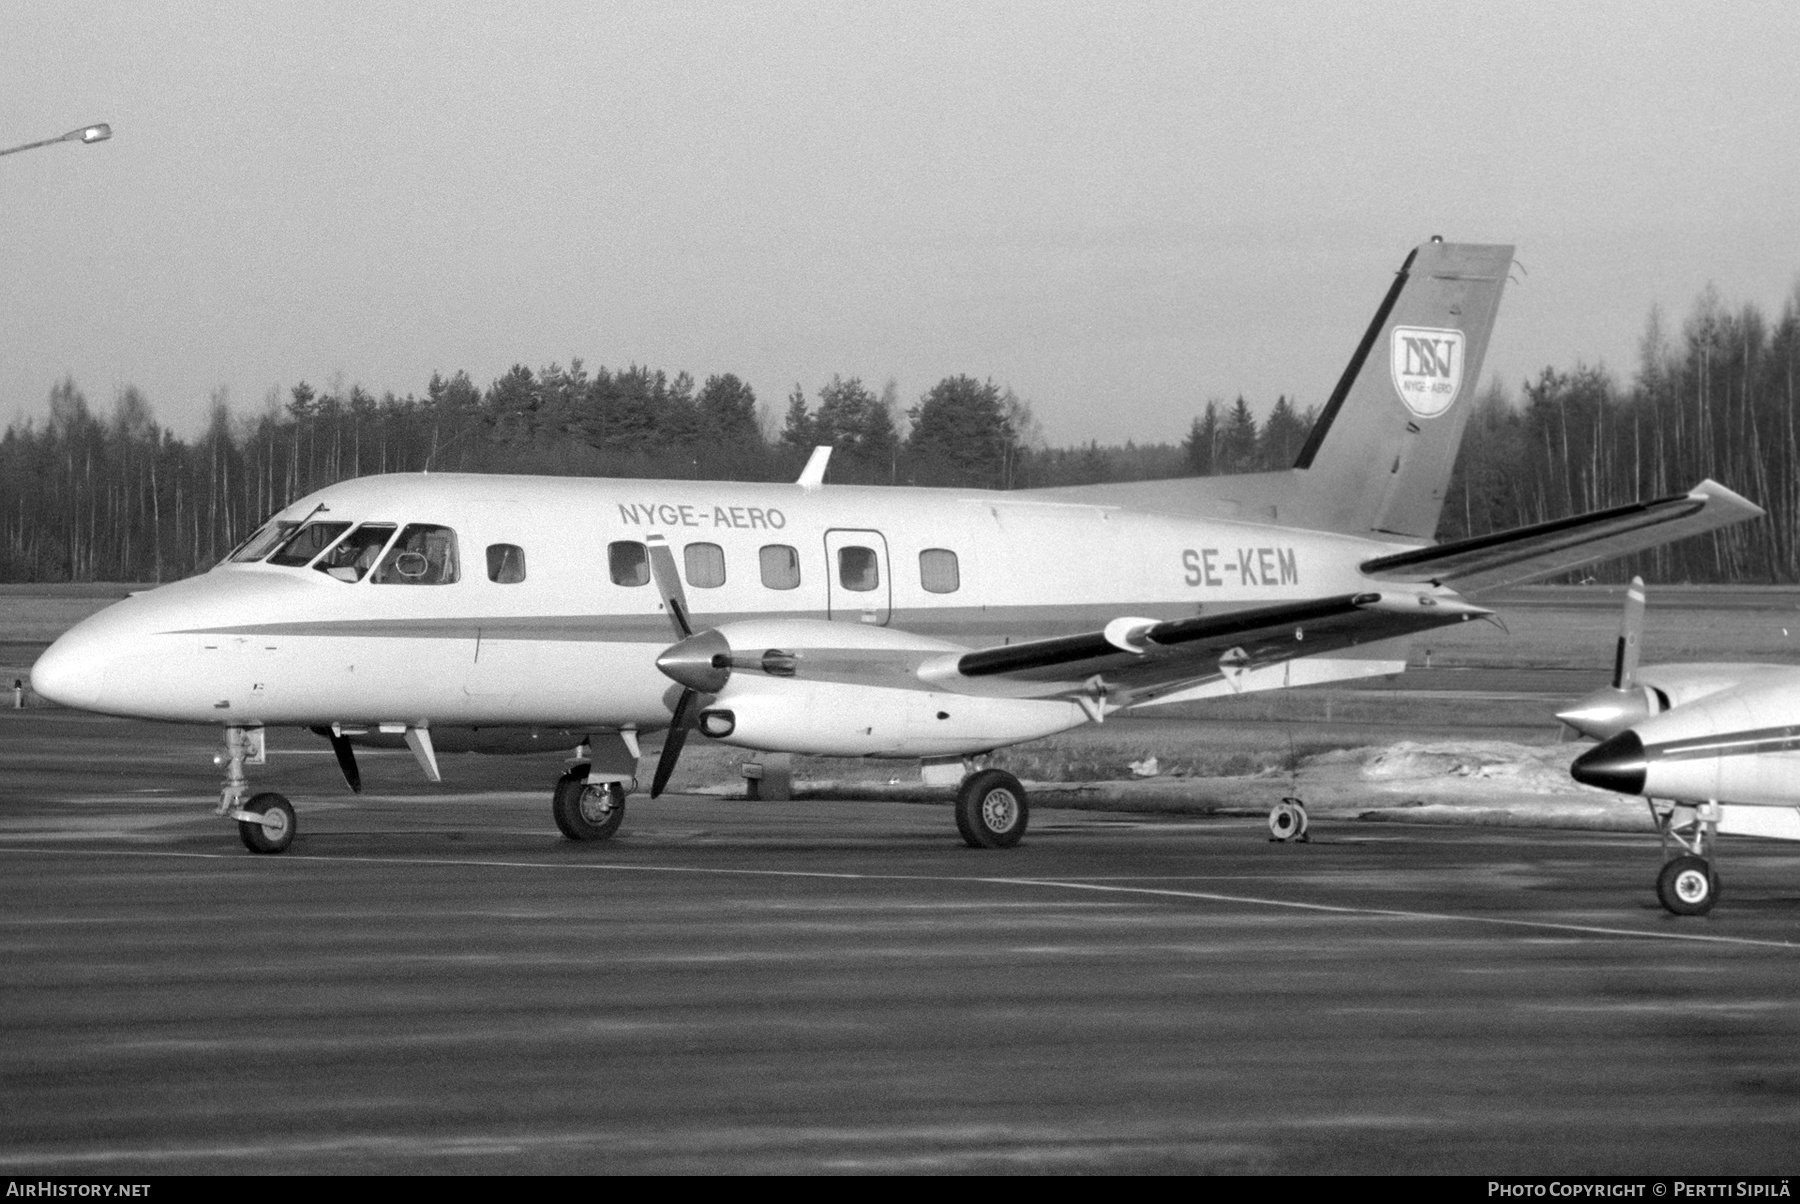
(356, 553)
(780, 567)
(262, 542)
(308, 542)
(628, 562)
(425, 554)
(506, 563)
(858, 569)
(705, 564)
(937, 571)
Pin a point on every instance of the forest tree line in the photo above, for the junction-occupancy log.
(88, 495)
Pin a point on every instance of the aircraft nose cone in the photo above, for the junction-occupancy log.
(1618, 764)
(702, 662)
(71, 672)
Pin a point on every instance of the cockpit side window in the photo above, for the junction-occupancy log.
(308, 542)
(356, 553)
(425, 554)
(261, 542)
(506, 563)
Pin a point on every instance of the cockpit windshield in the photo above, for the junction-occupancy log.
(355, 554)
(425, 554)
(308, 542)
(260, 543)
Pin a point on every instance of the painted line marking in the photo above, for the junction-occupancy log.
(1038, 883)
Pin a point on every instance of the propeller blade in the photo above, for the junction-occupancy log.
(671, 751)
(346, 757)
(668, 584)
(1631, 631)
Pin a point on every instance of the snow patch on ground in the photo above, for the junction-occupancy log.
(1510, 768)
(1482, 782)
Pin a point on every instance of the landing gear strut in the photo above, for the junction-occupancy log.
(991, 810)
(1688, 885)
(266, 823)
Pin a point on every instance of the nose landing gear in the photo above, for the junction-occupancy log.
(266, 823)
(1688, 885)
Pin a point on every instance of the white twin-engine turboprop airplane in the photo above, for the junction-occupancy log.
(1712, 748)
(502, 614)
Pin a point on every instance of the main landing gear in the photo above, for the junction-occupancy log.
(266, 822)
(587, 810)
(1688, 885)
(991, 810)
(589, 800)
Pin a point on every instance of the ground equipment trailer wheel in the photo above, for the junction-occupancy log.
(1287, 820)
(585, 812)
(275, 832)
(1688, 886)
(991, 811)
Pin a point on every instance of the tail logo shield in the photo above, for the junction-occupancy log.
(1428, 368)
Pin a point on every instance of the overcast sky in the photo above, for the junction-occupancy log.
(1119, 210)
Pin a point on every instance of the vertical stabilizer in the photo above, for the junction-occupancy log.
(1379, 458)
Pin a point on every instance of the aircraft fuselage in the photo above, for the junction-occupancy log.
(572, 640)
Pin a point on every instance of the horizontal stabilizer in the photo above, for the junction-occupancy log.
(1545, 549)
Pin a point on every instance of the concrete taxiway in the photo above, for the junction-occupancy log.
(431, 980)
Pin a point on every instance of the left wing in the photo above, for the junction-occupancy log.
(1132, 660)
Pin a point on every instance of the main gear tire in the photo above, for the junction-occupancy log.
(585, 812)
(991, 810)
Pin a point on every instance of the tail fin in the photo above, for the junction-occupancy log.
(1379, 458)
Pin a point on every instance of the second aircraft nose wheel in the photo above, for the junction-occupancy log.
(1287, 820)
(1688, 886)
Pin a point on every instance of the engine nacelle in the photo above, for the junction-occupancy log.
(839, 719)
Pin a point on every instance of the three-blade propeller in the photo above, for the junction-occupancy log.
(674, 600)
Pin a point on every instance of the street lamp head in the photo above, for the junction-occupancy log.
(99, 132)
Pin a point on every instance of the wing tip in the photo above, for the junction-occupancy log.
(1715, 494)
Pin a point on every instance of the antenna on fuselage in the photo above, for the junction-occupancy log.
(813, 475)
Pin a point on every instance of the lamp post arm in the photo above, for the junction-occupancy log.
(13, 150)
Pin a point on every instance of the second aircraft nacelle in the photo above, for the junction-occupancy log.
(1738, 745)
(838, 719)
